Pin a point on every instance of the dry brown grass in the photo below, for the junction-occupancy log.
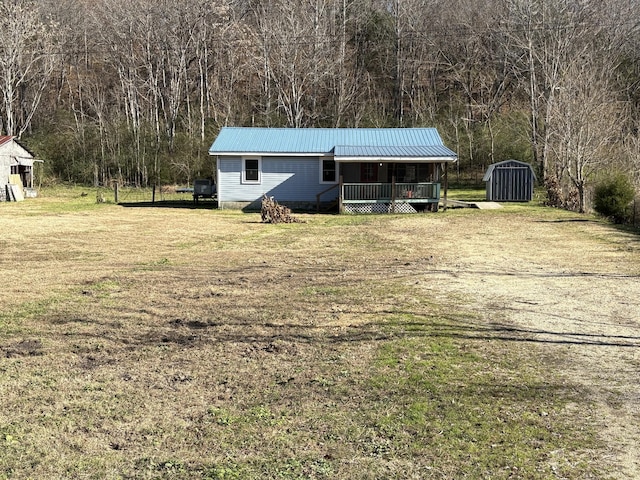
(151, 342)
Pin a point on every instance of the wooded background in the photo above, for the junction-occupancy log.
(136, 90)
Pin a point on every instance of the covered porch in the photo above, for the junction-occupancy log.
(422, 195)
(393, 180)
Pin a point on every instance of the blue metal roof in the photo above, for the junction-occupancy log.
(400, 151)
(378, 142)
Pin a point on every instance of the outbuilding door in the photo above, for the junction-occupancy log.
(512, 183)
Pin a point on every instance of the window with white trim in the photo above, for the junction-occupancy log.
(328, 170)
(251, 170)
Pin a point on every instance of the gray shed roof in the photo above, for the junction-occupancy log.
(506, 164)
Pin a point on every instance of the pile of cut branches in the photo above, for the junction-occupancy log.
(272, 212)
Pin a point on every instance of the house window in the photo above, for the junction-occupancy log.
(251, 170)
(327, 170)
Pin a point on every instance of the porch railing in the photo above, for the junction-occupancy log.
(384, 192)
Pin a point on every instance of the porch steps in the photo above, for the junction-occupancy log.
(328, 207)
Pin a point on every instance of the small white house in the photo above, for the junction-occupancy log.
(16, 169)
(361, 170)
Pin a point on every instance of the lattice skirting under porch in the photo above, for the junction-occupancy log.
(378, 208)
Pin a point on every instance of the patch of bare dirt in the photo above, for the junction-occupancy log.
(29, 347)
(572, 289)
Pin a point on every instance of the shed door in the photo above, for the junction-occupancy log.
(512, 184)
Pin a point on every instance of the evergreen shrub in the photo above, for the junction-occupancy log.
(613, 196)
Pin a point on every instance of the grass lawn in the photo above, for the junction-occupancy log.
(196, 343)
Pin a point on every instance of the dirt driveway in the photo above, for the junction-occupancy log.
(570, 286)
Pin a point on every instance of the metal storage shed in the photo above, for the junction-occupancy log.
(509, 181)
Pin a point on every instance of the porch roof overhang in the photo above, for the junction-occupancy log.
(22, 161)
(394, 154)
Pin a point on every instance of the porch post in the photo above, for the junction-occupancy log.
(393, 188)
(340, 193)
(446, 184)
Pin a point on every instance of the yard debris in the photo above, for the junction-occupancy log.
(272, 212)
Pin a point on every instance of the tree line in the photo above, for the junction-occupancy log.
(136, 90)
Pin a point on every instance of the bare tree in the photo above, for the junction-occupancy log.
(295, 40)
(547, 38)
(27, 60)
(344, 79)
(587, 119)
(227, 58)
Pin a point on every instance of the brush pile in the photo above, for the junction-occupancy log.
(272, 212)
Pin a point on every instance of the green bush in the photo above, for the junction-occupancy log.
(613, 196)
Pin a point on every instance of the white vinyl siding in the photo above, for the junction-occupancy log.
(284, 178)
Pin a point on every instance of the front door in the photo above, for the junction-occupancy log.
(369, 172)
